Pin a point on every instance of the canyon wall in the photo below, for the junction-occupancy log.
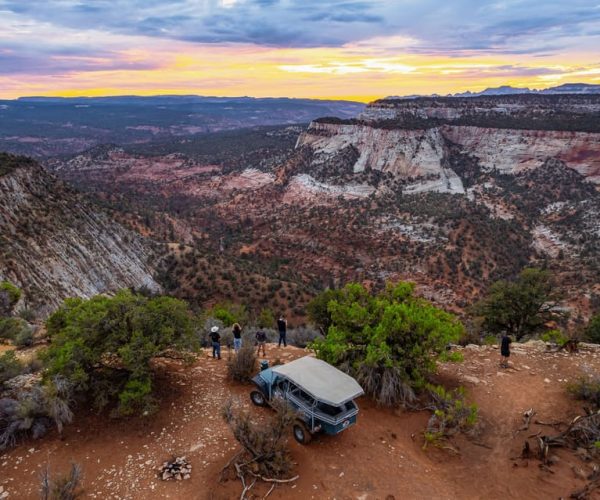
(56, 245)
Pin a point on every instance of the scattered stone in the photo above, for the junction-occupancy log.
(472, 379)
(178, 468)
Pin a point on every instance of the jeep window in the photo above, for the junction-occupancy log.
(302, 396)
(329, 409)
(280, 387)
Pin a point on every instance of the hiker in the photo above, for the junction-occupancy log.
(505, 350)
(237, 337)
(216, 341)
(282, 327)
(261, 340)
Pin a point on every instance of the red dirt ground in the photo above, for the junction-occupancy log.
(379, 458)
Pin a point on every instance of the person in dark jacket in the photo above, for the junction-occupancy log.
(505, 350)
(261, 340)
(237, 337)
(215, 337)
(282, 327)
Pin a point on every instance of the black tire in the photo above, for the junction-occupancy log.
(258, 398)
(301, 433)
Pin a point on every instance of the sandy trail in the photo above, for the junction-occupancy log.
(380, 458)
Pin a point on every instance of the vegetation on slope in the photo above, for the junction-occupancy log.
(9, 163)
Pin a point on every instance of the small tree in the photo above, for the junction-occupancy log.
(103, 346)
(229, 313)
(318, 309)
(10, 367)
(520, 307)
(592, 331)
(388, 341)
(266, 319)
(9, 296)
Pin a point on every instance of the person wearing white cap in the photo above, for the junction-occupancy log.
(215, 337)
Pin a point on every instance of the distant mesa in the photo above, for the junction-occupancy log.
(566, 88)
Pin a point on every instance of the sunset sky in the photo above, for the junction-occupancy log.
(352, 49)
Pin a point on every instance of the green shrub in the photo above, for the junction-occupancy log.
(229, 313)
(554, 337)
(592, 331)
(451, 414)
(103, 346)
(318, 308)
(27, 314)
(452, 357)
(490, 340)
(389, 341)
(10, 292)
(587, 389)
(11, 328)
(266, 319)
(25, 337)
(10, 366)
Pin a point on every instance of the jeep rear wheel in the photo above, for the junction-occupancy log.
(258, 398)
(301, 433)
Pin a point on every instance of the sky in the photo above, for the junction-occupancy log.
(342, 49)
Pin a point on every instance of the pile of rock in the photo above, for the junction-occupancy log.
(178, 468)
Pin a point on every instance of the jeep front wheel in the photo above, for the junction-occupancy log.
(301, 433)
(258, 398)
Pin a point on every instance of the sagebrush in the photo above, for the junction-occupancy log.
(265, 444)
(66, 487)
(242, 365)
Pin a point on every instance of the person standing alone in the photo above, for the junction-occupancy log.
(237, 337)
(215, 337)
(282, 327)
(505, 350)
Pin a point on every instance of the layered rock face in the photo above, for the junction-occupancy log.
(401, 153)
(55, 245)
(410, 139)
(513, 151)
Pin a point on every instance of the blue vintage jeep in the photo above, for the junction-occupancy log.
(322, 395)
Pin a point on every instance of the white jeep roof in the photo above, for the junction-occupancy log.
(321, 380)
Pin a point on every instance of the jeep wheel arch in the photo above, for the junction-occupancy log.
(301, 432)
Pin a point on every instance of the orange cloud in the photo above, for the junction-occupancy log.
(357, 71)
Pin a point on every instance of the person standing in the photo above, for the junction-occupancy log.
(261, 340)
(215, 337)
(282, 327)
(505, 350)
(237, 337)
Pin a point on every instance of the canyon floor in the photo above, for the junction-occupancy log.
(382, 457)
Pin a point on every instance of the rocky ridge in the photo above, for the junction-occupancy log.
(410, 138)
(56, 245)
